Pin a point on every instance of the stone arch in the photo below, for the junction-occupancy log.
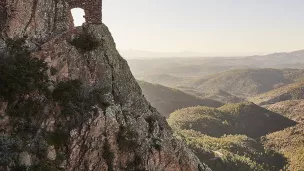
(92, 9)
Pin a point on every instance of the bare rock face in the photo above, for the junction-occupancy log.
(122, 131)
(38, 19)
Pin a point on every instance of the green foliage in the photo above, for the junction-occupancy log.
(166, 100)
(58, 138)
(151, 119)
(21, 74)
(157, 143)
(293, 109)
(205, 119)
(67, 92)
(127, 138)
(241, 118)
(135, 165)
(244, 83)
(76, 99)
(196, 125)
(9, 148)
(232, 152)
(292, 91)
(23, 84)
(108, 155)
(53, 71)
(288, 142)
(45, 166)
(73, 99)
(85, 42)
(42, 166)
(298, 94)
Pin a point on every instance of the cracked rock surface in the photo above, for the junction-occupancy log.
(122, 131)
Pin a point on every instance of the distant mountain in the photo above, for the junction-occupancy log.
(246, 83)
(195, 67)
(289, 142)
(217, 94)
(284, 59)
(150, 54)
(166, 80)
(293, 109)
(166, 100)
(223, 96)
(293, 91)
(242, 118)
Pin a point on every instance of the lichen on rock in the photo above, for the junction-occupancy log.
(102, 123)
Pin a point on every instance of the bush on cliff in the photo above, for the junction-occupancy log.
(21, 74)
(85, 42)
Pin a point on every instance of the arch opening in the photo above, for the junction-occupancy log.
(78, 15)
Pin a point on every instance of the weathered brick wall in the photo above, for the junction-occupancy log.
(92, 9)
(3, 15)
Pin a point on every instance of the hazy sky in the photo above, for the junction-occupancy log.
(212, 27)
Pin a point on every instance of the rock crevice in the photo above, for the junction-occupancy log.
(120, 130)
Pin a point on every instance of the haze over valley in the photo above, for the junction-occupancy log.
(142, 85)
(228, 110)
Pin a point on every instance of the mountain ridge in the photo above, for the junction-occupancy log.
(166, 100)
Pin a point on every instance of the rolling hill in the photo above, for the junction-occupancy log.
(166, 80)
(200, 66)
(293, 91)
(166, 100)
(218, 95)
(246, 83)
(232, 152)
(242, 118)
(293, 109)
(289, 142)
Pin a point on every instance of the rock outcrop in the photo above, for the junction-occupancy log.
(120, 131)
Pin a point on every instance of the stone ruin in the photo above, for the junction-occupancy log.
(92, 9)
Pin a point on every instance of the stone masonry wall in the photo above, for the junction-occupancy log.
(92, 9)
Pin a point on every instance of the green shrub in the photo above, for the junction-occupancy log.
(72, 99)
(85, 42)
(151, 119)
(20, 73)
(157, 143)
(135, 165)
(232, 152)
(127, 138)
(288, 142)
(26, 116)
(58, 138)
(9, 148)
(241, 118)
(108, 155)
(53, 71)
(67, 91)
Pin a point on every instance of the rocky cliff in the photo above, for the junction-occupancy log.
(93, 115)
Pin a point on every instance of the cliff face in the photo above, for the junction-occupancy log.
(119, 131)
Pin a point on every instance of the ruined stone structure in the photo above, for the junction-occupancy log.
(92, 9)
(42, 19)
(120, 131)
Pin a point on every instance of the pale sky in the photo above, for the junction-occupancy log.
(212, 27)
